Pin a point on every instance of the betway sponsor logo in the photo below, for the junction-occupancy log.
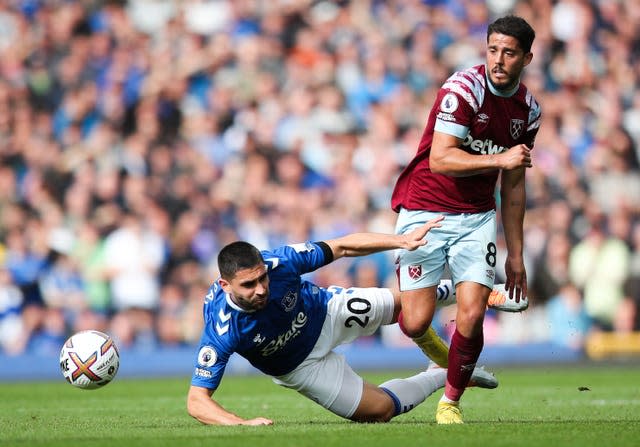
(282, 340)
(482, 146)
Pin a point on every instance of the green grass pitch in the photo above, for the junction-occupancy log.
(574, 405)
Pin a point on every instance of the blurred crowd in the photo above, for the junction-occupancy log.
(139, 137)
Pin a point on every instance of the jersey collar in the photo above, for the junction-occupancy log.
(234, 305)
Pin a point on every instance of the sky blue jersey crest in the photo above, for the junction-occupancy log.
(275, 339)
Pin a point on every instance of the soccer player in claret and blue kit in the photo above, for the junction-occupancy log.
(482, 127)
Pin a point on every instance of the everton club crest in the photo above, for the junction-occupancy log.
(289, 301)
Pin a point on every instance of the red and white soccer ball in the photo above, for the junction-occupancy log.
(89, 359)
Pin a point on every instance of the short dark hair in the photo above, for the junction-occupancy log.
(236, 256)
(514, 26)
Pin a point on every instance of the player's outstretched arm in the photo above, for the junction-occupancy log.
(360, 244)
(202, 407)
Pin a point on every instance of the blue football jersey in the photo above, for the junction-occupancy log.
(275, 339)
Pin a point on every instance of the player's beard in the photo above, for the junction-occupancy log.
(260, 303)
(254, 304)
(509, 82)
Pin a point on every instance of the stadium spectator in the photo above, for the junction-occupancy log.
(568, 318)
(11, 320)
(91, 92)
(551, 271)
(598, 266)
(88, 253)
(627, 317)
(134, 254)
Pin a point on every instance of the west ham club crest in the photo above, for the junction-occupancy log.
(415, 271)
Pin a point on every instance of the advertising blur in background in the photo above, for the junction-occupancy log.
(139, 137)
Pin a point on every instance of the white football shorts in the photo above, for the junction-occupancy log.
(464, 242)
(324, 376)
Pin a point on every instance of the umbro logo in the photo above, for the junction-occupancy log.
(483, 118)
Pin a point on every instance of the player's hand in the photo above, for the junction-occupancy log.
(518, 156)
(258, 421)
(516, 283)
(415, 238)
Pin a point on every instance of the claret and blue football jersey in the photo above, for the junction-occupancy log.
(275, 339)
(488, 122)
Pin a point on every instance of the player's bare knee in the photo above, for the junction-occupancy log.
(471, 315)
(415, 327)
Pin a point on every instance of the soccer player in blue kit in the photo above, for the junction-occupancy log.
(287, 327)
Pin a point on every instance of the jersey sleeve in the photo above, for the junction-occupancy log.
(458, 101)
(213, 355)
(533, 124)
(209, 366)
(297, 259)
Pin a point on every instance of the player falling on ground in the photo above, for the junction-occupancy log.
(287, 327)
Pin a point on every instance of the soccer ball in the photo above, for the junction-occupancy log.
(89, 359)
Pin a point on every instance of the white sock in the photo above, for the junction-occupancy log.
(445, 293)
(447, 400)
(412, 391)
